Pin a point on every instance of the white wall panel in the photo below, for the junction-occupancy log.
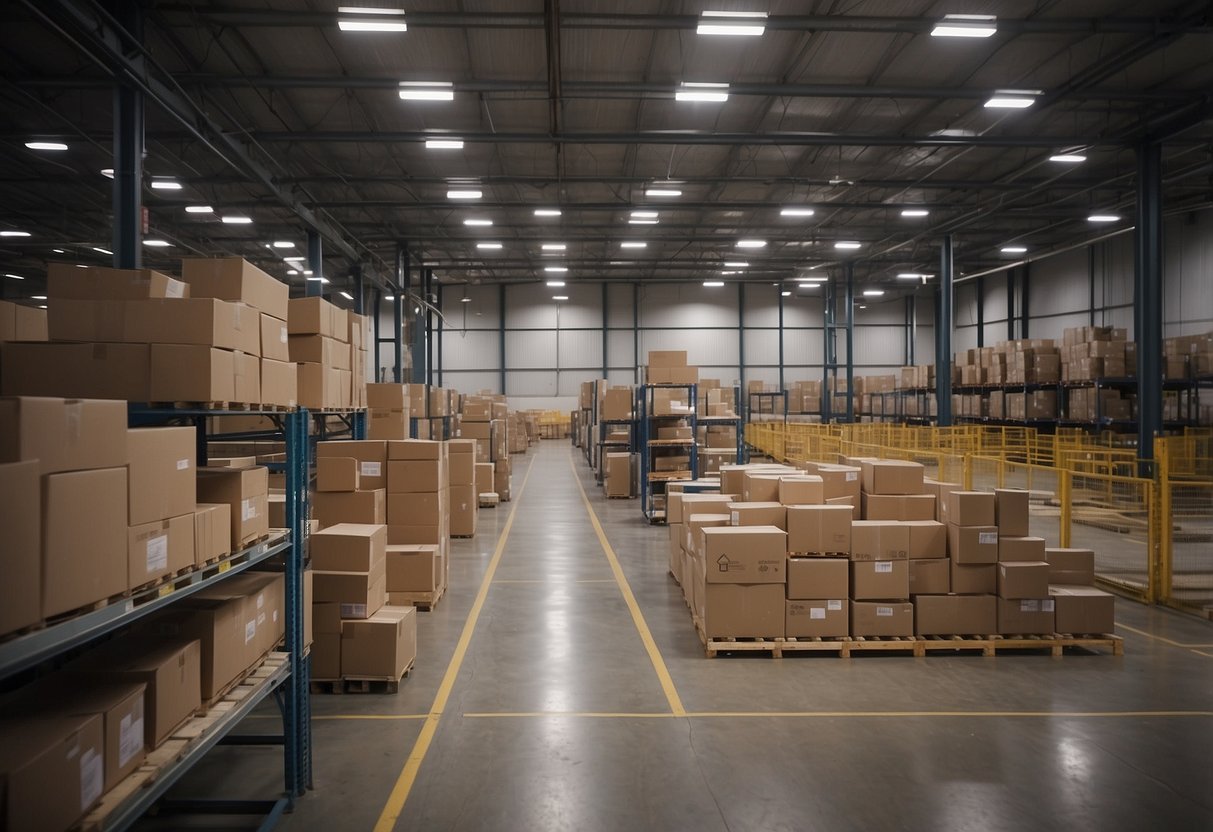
(924, 344)
(530, 305)
(881, 312)
(703, 346)
(964, 304)
(481, 310)
(1188, 275)
(619, 349)
(472, 350)
(533, 382)
(562, 403)
(619, 377)
(471, 382)
(761, 304)
(761, 346)
(803, 346)
(579, 348)
(725, 375)
(995, 298)
(687, 305)
(802, 309)
(1058, 284)
(1055, 326)
(619, 304)
(767, 375)
(529, 349)
(877, 345)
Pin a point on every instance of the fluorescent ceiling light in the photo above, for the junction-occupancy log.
(14, 276)
(861, 306)
(847, 244)
(547, 212)
(320, 280)
(444, 144)
(873, 293)
(813, 279)
(786, 293)
(739, 24)
(363, 19)
(737, 264)
(635, 221)
(553, 247)
(688, 91)
(914, 212)
(58, 251)
(477, 222)
(37, 297)
(662, 192)
(1103, 218)
(1012, 99)
(46, 145)
(292, 271)
(728, 272)
(101, 250)
(294, 259)
(389, 297)
(459, 193)
(347, 296)
(1071, 158)
(237, 219)
(466, 299)
(560, 297)
(166, 185)
(751, 243)
(427, 91)
(713, 284)
(14, 233)
(157, 243)
(912, 276)
(489, 246)
(199, 209)
(556, 284)
(966, 26)
(555, 269)
(796, 212)
(1013, 249)
(283, 244)
(644, 215)
(108, 173)
(630, 244)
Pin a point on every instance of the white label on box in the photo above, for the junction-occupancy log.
(353, 611)
(736, 518)
(371, 469)
(250, 631)
(157, 553)
(183, 464)
(834, 606)
(987, 538)
(884, 612)
(260, 600)
(275, 616)
(816, 612)
(248, 509)
(852, 476)
(282, 335)
(1046, 606)
(174, 289)
(884, 566)
(92, 778)
(1029, 606)
(130, 738)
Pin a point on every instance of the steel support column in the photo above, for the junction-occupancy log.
(636, 333)
(741, 335)
(501, 333)
(127, 239)
(438, 339)
(315, 262)
(827, 354)
(1010, 304)
(605, 323)
(402, 288)
(943, 335)
(1025, 282)
(376, 330)
(428, 314)
(913, 312)
(1147, 290)
(359, 286)
(1091, 285)
(980, 288)
(781, 379)
(850, 273)
(419, 352)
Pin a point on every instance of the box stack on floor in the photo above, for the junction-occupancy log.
(329, 344)
(390, 407)
(19, 322)
(619, 464)
(486, 419)
(804, 397)
(716, 443)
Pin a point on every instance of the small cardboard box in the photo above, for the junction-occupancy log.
(892, 476)
(235, 279)
(279, 383)
(971, 508)
(212, 532)
(162, 473)
(928, 539)
(840, 481)
(1083, 610)
(1071, 567)
(898, 506)
(358, 594)
(387, 424)
(63, 434)
(366, 506)
(667, 358)
(370, 453)
(732, 610)
(1011, 512)
(414, 567)
(882, 618)
(84, 539)
(747, 554)
(1025, 616)
(693, 530)
(932, 576)
(159, 548)
(817, 619)
(955, 615)
(879, 540)
(274, 341)
(618, 478)
(760, 488)
(192, 373)
(64, 750)
(802, 491)
(819, 529)
(758, 514)
(973, 579)
(246, 491)
(972, 544)
(880, 579)
(20, 518)
(216, 618)
(1029, 549)
(381, 647)
(813, 578)
(316, 316)
(318, 349)
(1023, 580)
(348, 547)
(417, 449)
(682, 506)
(337, 473)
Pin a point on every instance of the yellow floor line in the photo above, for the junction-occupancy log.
(837, 714)
(579, 714)
(408, 774)
(1163, 639)
(370, 716)
(650, 646)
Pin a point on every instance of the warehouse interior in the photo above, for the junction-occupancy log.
(483, 340)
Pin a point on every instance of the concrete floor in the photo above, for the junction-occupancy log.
(557, 719)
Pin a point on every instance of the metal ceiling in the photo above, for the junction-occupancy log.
(850, 108)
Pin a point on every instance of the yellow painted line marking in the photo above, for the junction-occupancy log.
(408, 774)
(650, 646)
(1163, 639)
(838, 714)
(580, 714)
(372, 716)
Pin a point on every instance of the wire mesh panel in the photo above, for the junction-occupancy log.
(1116, 517)
(1186, 497)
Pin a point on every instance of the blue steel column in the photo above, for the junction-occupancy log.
(605, 330)
(943, 335)
(913, 326)
(980, 288)
(1024, 299)
(402, 289)
(781, 380)
(850, 272)
(1147, 290)
(636, 333)
(827, 354)
(297, 728)
(438, 340)
(428, 315)
(359, 289)
(1010, 304)
(315, 262)
(741, 333)
(501, 333)
(127, 238)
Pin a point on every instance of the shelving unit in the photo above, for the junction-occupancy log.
(652, 482)
(778, 408)
(415, 429)
(736, 421)
(603, 446)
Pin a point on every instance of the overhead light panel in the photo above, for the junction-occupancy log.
(662, 190)
(237, 219)
(912, 276)
(688, 91)
(553, 247)
(58, 251)
(427, 91)
(635, 221)
(713, 284)
(729, 272)
(466, 299)
(847, 245)
(347, 296)
(914, 212)
(12, 276)
(488, 246)
(751, 243)
(389, 297)
(283, 244)
(1068, 158)
(796, 212)
(737, 24)
(101, 250)
(292, 271)
(200, 209)
(46, 145)
(560, 297)
(320, 280)
(644, 215)
(1012, 99)
(555, 269)
(737, 264)
(1013, 249)
(631, 244)
(108, 173)
(966, 26)
(37, 297)
(14, 233)
(294, 259)
(786, 293)
(873, 293)
(444, 144)
(166, 185)
(477, 222)
(463, 193)
(1103, 218)
(555, 284)
(817, 278)
(361, 19)
(157, 243)
(547, 212)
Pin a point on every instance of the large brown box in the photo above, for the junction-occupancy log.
(191, 373)
(892, 476)
(819, 529)
(758, 514)
(416, 476)
(811, 578)
(318, 386)
(84, 540)
(65, 752)
(246, 490)
(879, 540)
(618, 475)
(617, 403)
(348, 547)
(462, 456)
(682, 506)
(932, 576)
(337, 473)
(1030, 549)
(359, 594)
(235, 279)
(414, 567)
(279, 383)
(971, 508)
(972, 544)
(955, 615)
(898, 506)
(201, 321)
(397, 535)
(747, 554)
(759, 487)
(928, 539)
(387, 424)
(882, 618)
(1023, 580)
(159, 548)
(417, 449)
(464, 506)
(162, 478)
(218, 618)
(318, 349)
(880, 579)
(941, 490)
(840, 481)
(693, 530)
(732, 610)
(973, 579)
(667, 358)
(99, 371)
(802, 491)
(20, 518)
(63, 434)
(370, 453)
(1011, 512)
(417, 509)
(67, 281)
(817, 619)
(326, 656)
(19, 322)
(366, 506)
(1071, 567)
(1083, 610)
(1025, 616)
(275, 343)
(382, 647)
(212, 532)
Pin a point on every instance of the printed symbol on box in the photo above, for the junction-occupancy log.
(723, 562)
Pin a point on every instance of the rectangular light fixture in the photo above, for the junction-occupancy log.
(736, 264)
(873, 293)
(165, 185)
(635, 221)
(966, 26)
(362, 19)
(347, 296)
(154, 243)
(796, 212)
(547, 212)
(713, 284)
(633, 245)
(199, 209)
(283, 244)
(644, 215)
(477, 222)
(101, 250)
(662, 192)
(14, 276)
(1070, 158)
(427, 91)
(320, 280)
(14, 233)
(236, 219)
(728, 272)
(294, 259)
(444, 144)
(1103, 218)
(555, 269)
(786, 293)
(555, 284)
(847, 245)
(914, 212)
(911, 276)
(688, 91)
(460, 193)
(1012, 99)
(1014, 249)
(46, 145)
(813, 279)
(560, 297)
(553, 247)
(737, 24)
(751, 243)
(108, 173)
(488, 246)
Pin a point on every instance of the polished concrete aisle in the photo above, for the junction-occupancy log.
(546, 698)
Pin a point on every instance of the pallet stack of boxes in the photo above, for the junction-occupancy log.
(419, 497)
(322, 340)
(464, 499)
(389, 409)
(485, 418)
(19, 322)
(351, 482)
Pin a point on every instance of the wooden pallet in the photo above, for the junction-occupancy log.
(361, 684)
(423, 601)
(992, 645)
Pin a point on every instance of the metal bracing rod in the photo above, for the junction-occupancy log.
(1147, 296)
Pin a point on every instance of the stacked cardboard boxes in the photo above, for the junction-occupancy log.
(819, 548)
(670, 367)
(804, 397)
(418, 485)
(390, 408)
(351, 482)
(486, 419)
(464, 499)
(318, 340)
(162, 501)
(19, 322)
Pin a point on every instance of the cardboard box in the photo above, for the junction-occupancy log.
(84, 539)
(802, 491)
(348, 547)
(418, 476)
(972, 544)
(1071, 567)
(1083, 610)
(1030, 549)
(932, 576)
(216, 618)
(760, 488)
(819, 529)
(162, 473)
(414, 567)
(159, 548)
(682, 506)
(879, 540)
(318, 349)
(318, 386)
(387, 424)
(235, 279)
(817, 619)
(892, 476)
(246, 491)
(279, 383)
(63, 434)
(326, 656)
(971, 508)
(264, 596)
(693, 529)
(898, 506)
(66, 751)
(337, 473)
(973, 579)
(840, 481)
(882, 618)
(366, 506)
(464, 510)
(358, 594)
(758, 514)
(618, 475)
(67, 281)
(941, 490)
(732, 610)
(397, 535)
(212, 532)
(617, 403)
(381, 647)
(20, 518)
(274, 341)
(200, 321)
(97, 371)
(880, 579)
(1025, 616)
(667, 358)
(928, 539)
(955, 615)
(814, 578)
(417, 509)
(747, 554)
(185, 373)
(1023, 580)
(371, 455)
(1011, 512)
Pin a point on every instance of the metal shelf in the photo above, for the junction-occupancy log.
(28, 650)
(653, 482)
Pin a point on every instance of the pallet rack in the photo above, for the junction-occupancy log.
(736, 421)
(653, 482)
(415, 422)
(603, 446)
